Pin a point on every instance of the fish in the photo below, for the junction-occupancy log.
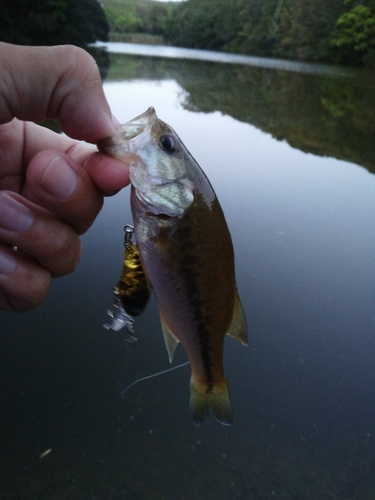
(187, 253)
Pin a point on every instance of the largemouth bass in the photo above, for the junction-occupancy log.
(187, 253)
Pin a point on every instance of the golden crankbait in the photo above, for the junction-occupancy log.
(132, 292)
(133, 288)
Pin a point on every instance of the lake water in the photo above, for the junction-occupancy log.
(290, 151)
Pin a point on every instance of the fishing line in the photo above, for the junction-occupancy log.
(122, 394)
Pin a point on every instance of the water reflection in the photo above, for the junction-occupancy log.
(329, 113)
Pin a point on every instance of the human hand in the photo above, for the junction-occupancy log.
(51, 186)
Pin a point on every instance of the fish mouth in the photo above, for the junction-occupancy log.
(161, 216)
(137, 125)
(129, 136)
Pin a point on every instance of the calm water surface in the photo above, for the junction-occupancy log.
(290, 153)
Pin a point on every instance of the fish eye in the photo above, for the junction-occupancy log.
(168, 143)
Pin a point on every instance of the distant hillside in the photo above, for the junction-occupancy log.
(341, 31)
(138, 20)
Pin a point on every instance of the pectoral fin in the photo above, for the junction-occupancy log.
(169, 339)
(238, 327)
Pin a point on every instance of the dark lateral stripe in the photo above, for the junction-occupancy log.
(188, 255)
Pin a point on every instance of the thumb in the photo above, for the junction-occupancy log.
(60, 82)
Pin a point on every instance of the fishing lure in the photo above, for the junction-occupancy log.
(132, 292)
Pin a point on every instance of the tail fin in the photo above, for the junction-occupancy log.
(204, 398)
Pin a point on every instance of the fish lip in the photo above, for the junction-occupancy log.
(125, 137)
(147, 117)
(136, 126)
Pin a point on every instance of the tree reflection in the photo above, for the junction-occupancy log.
(323, 114)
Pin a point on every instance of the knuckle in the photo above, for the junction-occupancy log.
(82, 66)
(52, 243)
(65, 253)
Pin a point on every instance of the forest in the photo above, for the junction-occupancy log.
(338, 31)
(341, 31)
(139, 20)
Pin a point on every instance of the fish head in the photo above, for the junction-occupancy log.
(159, 167)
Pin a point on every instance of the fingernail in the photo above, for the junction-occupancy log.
(8, 263)
(13, 215)
(59, 178)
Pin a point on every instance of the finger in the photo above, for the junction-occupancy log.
(39, 234)
(55, 181)
(66, 86)
(109, 175)
(23, 283)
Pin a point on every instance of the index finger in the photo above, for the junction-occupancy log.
(60, 82)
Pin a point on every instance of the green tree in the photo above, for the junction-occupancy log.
(122, 18)
(354, 34)
(212, 24)
(255, 34)
(305, 29)
(128, 17)
(153, 17)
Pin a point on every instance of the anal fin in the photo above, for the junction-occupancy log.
(170, 340)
